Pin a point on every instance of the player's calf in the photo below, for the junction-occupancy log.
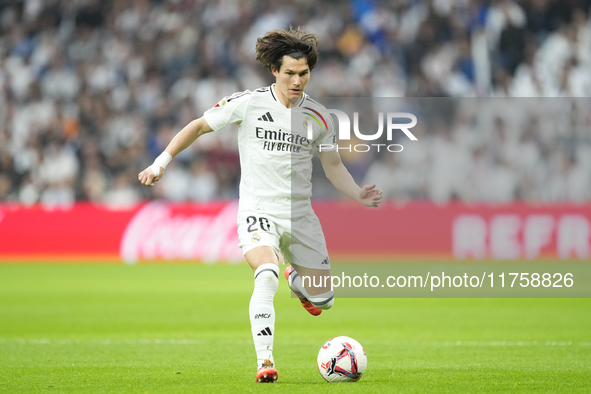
(262, 312)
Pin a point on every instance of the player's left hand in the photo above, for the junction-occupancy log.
(369, 196)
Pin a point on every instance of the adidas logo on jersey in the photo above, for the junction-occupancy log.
(265, 332)
(266, 117)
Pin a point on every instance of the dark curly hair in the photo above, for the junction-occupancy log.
(294, 43)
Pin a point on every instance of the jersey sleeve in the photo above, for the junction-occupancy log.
(328, 136)
(229, 110)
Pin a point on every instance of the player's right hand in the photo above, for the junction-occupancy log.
(147, 177)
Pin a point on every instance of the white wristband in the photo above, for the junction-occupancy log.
(161, 161)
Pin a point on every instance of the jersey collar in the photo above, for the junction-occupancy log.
(274, 95)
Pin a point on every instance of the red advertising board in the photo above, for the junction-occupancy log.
(152, 231)
(460, 231)
(207, 232)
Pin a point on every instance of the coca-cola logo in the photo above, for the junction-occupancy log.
(156, 233)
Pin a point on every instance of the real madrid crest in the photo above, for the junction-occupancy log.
(306, 120)
(255, 238)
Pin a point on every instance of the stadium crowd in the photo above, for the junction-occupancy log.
(92, 90)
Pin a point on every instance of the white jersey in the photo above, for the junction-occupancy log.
(275, 158)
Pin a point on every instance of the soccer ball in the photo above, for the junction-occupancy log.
(342, 359)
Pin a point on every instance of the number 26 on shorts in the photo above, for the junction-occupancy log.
(254, 224)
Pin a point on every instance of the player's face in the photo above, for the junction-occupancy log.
(292, 78)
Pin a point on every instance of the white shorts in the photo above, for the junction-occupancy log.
(300, 241)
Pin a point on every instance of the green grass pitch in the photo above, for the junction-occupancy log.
(184, 328)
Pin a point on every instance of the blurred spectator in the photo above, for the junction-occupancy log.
(203, 184)
(122, 195)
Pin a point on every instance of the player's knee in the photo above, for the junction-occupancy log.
(267, 275)
(323, 302)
